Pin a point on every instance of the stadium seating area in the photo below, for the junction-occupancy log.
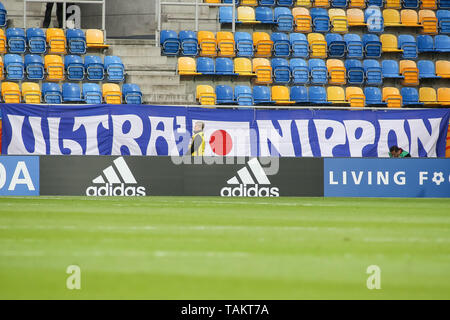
(342, 52)
(56, 66)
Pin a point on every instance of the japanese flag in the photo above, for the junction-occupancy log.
(226, 138)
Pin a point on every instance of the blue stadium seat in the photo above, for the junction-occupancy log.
(372, 45)
(231, 1)
(281, 44)
(442, 43)
(76, 41)
(169, 42)
(337, 47)
(317, 95)
(354, 46)
(390, 69)
(264, 15)
(188, 42)
(374, 19)
(299, 94)
(261, 95)
(114, 68)
(318, 71)
(373, 72)
(205, 65)
(299, 45)
(51, 93)
(36, 40)
(339, 3)
(267, 3)
(373, 96)
(443, 4)
(226, 15)
(224, 94)
(94, 68)
(281, 71)
(14, 67)
(425, 43)
(376, 3)
(444, 20)
(74, 67)
(355, 71)
(283, 18)
(92, 94)
(3, 14)
(225, 67)
(71, 92)
(320, 19)
(287, 3)
(34, 66)
(410, 96)
(16, 40)
(408, 44)
(426, 69)
(132, 93)
(244, 44)
(299, 71)
(243, 95)
(411, 4)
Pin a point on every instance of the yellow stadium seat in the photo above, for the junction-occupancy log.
(2, 76)
(392, 96)
(428, 96)
(280, 94)
(336, 71)
(205, 95)
(304, 3)
(357, 4)
(389, 43)
(321, 4)
(302, 20)
(428, 4)
(263, 70)
(355, 17)
(187, 66)
(408, 69)
(443, 68)
(391, 18)
(225, 44)
(95, 39)
(56, 40)
(336, 95)
(393, 4)
(263, 44)
(246, 15)
(317, 45)
(338, 20)
(10, 92)
(207, 43)
(111, 93)
(2, 41)
(31, 92)
(355, 96)
(252, 3)
(213, 1)
(54, 67)
(429, 22)
(409, 18)
(243, 67)
(443, 96)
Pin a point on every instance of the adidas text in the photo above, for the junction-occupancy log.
(251, 191)
(116, 190)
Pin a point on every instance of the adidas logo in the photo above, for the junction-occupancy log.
(257, 185)
(116, 183)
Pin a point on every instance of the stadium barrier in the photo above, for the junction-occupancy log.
(223, 176)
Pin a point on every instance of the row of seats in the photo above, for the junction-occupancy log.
(317, 71)
(91, 93)
(338, 20)
(353, 96)
(52, 67)
(393, 4)
(52, 40)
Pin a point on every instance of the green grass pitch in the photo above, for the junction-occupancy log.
(216, 248)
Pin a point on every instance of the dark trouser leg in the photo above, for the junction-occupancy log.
(48, 14)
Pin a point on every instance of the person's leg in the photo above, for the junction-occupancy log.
(48, 14)
(59, 14)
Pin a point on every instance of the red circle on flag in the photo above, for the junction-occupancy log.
(221, 142)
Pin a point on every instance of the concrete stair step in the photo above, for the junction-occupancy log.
(135, 50)
(151, 87)
(167, 99)
(160, 67)
(143, 61)
(159, 79)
